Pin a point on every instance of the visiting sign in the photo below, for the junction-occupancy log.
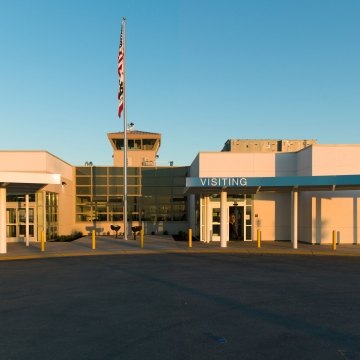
(294, 181)
(217, 181)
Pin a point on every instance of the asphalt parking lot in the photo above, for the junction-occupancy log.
(181, 306)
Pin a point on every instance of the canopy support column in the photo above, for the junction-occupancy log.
(294, 219)
(223, 219)
(3, 248)
(208, 220)
(27, 233)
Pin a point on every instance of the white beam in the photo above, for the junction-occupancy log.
(29, 177)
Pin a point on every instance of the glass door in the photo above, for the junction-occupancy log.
(11, 223)
(236, 223)
(16, 223)
(22, 222)
(215, 224)
(239, 219)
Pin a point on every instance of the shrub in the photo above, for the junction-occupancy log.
(182, 234)
(75, 235)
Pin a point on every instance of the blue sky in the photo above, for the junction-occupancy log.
(198, 72)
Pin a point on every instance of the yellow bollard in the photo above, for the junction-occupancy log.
(93, 240)
(190, 238)
(43, 241)
(334, 240)
(142, 238)
(258, 238)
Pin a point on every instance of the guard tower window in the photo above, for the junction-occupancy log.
(134, 144)
(119, 144)
(148, 144)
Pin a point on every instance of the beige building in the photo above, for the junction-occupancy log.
(295, 190)
(287, 195)
(42, 195)
(35, 188)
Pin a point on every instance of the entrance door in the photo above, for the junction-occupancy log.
(215, 223)
(236, 223)
(235, 219)
(16, 223)
(240, 208)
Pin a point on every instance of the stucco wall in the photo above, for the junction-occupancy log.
(314, 160)
(304, 162)
(337, 211)
(31, 161)
(305, 221)
(272, 216)
(336, 159)
(227, 164)
(136, 158)
(194, 167)
(34, 161)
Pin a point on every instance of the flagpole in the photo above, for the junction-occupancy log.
(125, 139)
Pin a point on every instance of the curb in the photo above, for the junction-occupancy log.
(286, 252)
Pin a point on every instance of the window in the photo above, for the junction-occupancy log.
(148, 144)
(154, 194)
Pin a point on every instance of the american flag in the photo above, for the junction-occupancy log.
(121, 72)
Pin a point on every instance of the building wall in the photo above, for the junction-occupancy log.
(136, 158)
(271, 214)
(304, 162)
(321, 213)
(305, 214)
(335, 159)
(42, 161)
(314, 160)
(236, 164)
(66, 192)
(34, 161)
(285, 164)
(31, 161)
(66, 206)
(195, 167)
(227, 164)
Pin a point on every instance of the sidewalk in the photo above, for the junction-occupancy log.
(106, 245)
(109, 245)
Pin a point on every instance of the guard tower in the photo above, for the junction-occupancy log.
(142, 148)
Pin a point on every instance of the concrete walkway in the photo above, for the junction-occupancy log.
(154, 244)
